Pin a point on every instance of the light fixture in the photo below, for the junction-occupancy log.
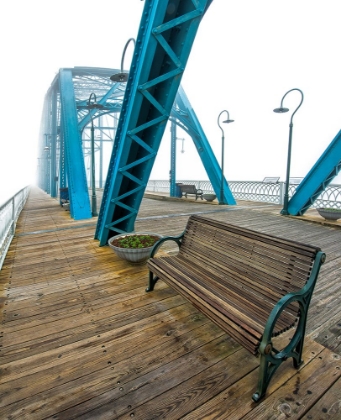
(122, 77)
(282, 110)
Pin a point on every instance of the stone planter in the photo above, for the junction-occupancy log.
(329, 214)
(133, 255)
(209, 197)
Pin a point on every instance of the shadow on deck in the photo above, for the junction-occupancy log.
(80, 338)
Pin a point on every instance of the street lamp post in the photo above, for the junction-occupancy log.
(122, 77)
(282, 110)
(92, 104)
(227, 121)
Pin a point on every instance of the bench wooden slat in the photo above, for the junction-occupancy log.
(228, 299)
(249, 339)
(267, 266)
(258, 307)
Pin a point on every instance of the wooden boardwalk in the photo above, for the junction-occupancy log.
(80, 338)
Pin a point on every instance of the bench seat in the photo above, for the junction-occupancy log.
(226, 302)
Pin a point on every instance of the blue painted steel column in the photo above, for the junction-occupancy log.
(74, 161)
(166, 34)
(54, 143)
(62, 170)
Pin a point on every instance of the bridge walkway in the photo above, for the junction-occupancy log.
(80, 338)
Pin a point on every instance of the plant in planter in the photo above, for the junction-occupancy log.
(134, 247)
(329, 213)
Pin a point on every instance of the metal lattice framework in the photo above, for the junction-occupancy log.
(59, 166)
(61, 163)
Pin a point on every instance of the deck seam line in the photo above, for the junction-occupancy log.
(137, 219)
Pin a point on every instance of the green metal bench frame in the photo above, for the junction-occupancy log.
(207, 238)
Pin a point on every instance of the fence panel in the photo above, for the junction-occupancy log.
(9, 213)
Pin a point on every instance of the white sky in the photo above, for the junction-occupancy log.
(246, 55)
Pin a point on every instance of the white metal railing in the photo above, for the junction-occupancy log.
(9, 213)
(258, 191)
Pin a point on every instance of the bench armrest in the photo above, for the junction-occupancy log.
(303, 298)
(271, 358)
(157, 245)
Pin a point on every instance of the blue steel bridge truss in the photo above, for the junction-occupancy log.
(62, 167)
(132, 122)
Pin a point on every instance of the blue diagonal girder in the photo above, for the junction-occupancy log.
(164, 41)
(318, 178)
(184, 112)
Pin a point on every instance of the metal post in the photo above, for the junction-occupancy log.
(286, 193)
(282, 110)
(221, 200)
(227, 121)
(92, 104)
(13, 217)
(173, 159)
(93, 168)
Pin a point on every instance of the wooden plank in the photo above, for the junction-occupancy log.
(328, 407)
(300, 393)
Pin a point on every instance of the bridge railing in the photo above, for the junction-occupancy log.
(9, 213)
(258, 191)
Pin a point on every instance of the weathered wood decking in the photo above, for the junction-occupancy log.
(80, 338)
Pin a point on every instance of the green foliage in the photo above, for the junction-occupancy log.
(135, 241)
(331, 210)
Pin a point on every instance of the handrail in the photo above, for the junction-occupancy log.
(257, 191)
(9, 214)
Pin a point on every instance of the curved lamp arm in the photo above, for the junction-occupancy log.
(92, 102)
(92, 99)
(281, 109)
(226, 121)
(124, 51)
(122, 77)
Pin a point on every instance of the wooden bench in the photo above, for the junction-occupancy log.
(190, 189)
(253, 285)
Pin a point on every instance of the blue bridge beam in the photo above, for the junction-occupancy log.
(164, 41)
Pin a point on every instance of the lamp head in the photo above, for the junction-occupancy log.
(120, 77)
(281, 110)
(92, 102)
(95, 106)
(228, 121)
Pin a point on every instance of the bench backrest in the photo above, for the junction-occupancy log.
(258, 263)
(190, 189)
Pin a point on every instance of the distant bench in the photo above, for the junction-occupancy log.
(271, 179)
(190, 189)
(253, 285)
